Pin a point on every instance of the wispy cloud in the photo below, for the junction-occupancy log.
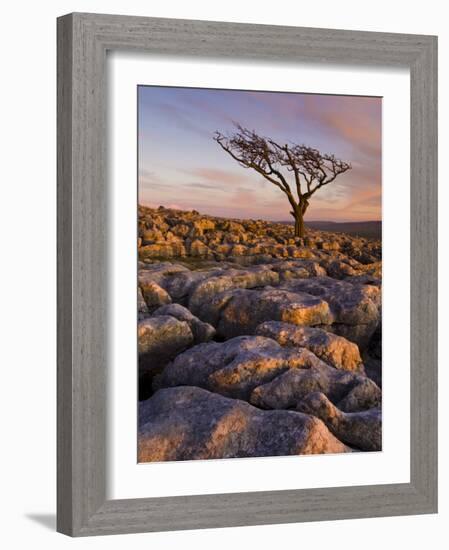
(219, 176)
(180, 118)
(210, 186)
(357, 120)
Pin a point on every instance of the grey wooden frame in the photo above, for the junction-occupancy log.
(83, 40)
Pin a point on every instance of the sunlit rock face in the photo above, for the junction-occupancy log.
(167, 233)
(235, 367)
(332, 349)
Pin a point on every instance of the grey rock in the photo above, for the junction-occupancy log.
(188, 423)
(154, 295)
(345, 388)
(340, 269)
(159, 340)
(352, 304)
(365, 279)
(373, 369)
(355, 307)
(209, 287)
(158, 271)
(359, 429)
(142, 308)
(332, 349)
(298, 269)
(366, 394)
(235, 367)
(202, 332)
(179, 285)
(239, 312)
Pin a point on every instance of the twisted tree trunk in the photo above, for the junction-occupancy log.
(298, 215)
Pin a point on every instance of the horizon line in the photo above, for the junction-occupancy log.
(325, 220)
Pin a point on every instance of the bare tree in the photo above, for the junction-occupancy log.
(307, 168)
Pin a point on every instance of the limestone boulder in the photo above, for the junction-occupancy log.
(157, 272)
(162, 250)
(236, 367)
(198, 249)
(154, 295)
(150, 236)
(179, 285)
(362, 430)
(298, 269)
(332, 349)
(188, 423)
(352, 392)
(240, 312)
(339, 269)
(202, 332)
(208, 287)
(142, 308)
(355, 307)
(160, 339)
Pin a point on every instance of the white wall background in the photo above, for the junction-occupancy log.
(27, 253)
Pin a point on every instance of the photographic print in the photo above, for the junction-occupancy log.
(259, 274)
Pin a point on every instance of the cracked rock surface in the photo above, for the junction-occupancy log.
(253, 342)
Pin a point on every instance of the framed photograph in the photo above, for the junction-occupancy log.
(247, 280)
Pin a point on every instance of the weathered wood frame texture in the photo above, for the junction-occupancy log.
(83, 40)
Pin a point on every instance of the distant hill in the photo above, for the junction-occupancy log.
(369, 230)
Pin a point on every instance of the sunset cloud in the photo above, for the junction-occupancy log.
(219, 176)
